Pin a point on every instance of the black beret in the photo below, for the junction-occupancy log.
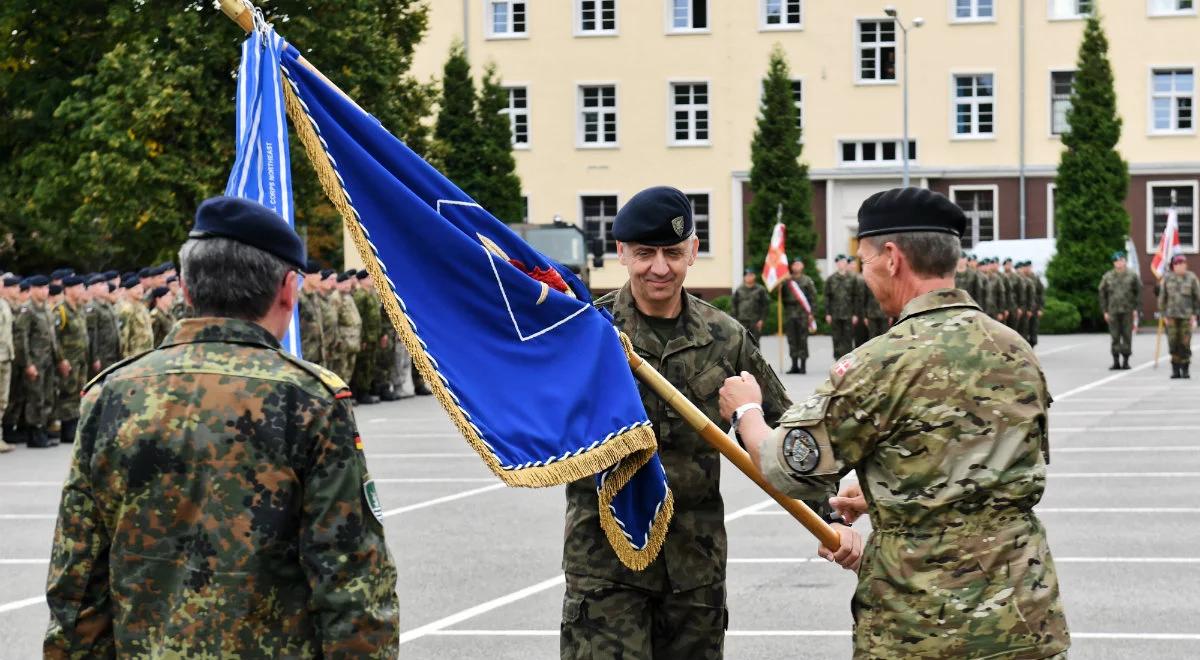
(130, 282)
(37, 280)
(251, 223)
(342, 277)
(96, 279)
(362, 275)
(145, 272)
(327, 272)
(24, 285)
(907, 210)
(167, 265)
(312, 267)
(12, 281)
(55, 289)
(60, 273)
(656, 216)
(159, 292)
(72, 280)
(110, 274)
(127, 275)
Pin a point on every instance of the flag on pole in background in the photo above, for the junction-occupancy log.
(1168, 245)
(533, 376)
(775, 266)
(262, 169)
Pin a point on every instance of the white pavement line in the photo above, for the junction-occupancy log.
(412, 436)
(28, 516)
(1178, 637)
(440, 500)
(416, 455)
(406, 420)
(436, 627)
(1122, 450)
(1040, 510)
(28, 484)
(436, 480)
(18, 604)
(1122, 413)
(1059, 560)
(1195, 428)
(1122, 475)
(23, 562)
(1060, 349)
(1103, 381)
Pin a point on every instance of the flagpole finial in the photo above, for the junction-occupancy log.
(239, 12)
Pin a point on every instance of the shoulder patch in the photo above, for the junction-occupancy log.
(100, 377)
(330, 380)
(806, 412)
(844, 365)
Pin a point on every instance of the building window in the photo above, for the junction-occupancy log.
(1185, 202)
(525, 208)
(688, 15)
(874, 153)
(598, 115)
(798, 101)
(782, 14)
(979, 205)
(518, 115)
(1060, 100)
(1172, 8)
(598, 212)
(1071, 9)
(1051, 209)
(689, 113)
(505, 18)
(974, 105)
(1172, 96)
(597, 16)
(700, 219)
(877, 51)
(973, 10)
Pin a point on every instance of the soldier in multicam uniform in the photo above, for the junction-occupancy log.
(218, 502)
(327, 300)
(841, 305)
(312, 332)
(1179, 304)
(676, 607)
(72, 332)
(1120, 293)
(750, 304)
(796, 318)
(104, 332)
(349, 327)
(1039, 300)
(945, 423)
(1018, 305)
(6, 354)
(367, 303)
(137, 328)
(160, 313)
(35, 359)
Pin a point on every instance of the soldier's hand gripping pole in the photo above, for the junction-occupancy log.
(721, 442)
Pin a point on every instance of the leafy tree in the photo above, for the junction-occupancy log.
(500, 188)
(778, 178)
(1092, 181)
(117, 119)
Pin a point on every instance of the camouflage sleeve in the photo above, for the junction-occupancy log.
(77, 587)
(21, 339)
(1162, 295)
(343, 551)
(1103, 289)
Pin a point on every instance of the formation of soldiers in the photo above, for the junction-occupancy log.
(851, 310)
(1007, 291)
(59, 331)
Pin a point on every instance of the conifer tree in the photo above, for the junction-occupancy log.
(499, 187)
(457, 133)
(1092, 182)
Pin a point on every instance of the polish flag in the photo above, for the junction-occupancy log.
(775, 267)
(1168, 246)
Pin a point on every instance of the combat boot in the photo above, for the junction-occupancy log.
(38, 439)
(802, 369)
(1185, 370)
(68, 430)
(1125, 361)
(368, 399)
(54, 430)
(1176, 371)
(795, 367)
(1116, 362)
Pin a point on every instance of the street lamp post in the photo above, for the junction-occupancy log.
(917, 22)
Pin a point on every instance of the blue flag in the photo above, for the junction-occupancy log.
(534, 377)
(262, 170)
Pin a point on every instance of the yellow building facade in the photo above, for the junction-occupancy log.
(608, 97)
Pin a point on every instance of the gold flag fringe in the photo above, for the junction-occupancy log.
(637, 443)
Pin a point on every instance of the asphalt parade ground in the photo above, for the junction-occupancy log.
(480, 569)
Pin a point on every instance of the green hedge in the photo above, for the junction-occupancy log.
(1060, 317)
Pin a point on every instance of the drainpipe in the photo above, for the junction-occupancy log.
(1021, 130)
(466, 34)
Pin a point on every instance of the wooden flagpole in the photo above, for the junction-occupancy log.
(236, 10)
(779, 320)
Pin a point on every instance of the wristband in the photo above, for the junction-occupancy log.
(737, 415)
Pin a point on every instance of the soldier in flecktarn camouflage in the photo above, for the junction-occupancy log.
(218, 502)
(72, 331)
(1120, 290)
(944, 420)
(1179, 304)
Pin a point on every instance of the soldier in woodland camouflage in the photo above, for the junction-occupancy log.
(71, 330)
(160, 313)
(332, 337)
(104, 331)
(1017, 303)
(1120, 291)
(796, 318)
(37, 360)
(1039, 301)
(366, 300)
(749, 305)
(945, 423)
(218, 502)
(312, 334)
(1179, 304)
(841, 306)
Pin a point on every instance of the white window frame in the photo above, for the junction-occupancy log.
(1050, 81)
(1051, 203)
(583, 222)
(976, 187)
(669, 16)
(858, 46)
(975, 17)
(763, 26)
(861, 164)
(1158, 13)
(708, 193)
(599, 32)
(974, 100)
(1050, 15)
(489, 24)
(800, 105)
(579, 141)
(672, 141)
(1151, 245)
(508, 111)
(1151, 129)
